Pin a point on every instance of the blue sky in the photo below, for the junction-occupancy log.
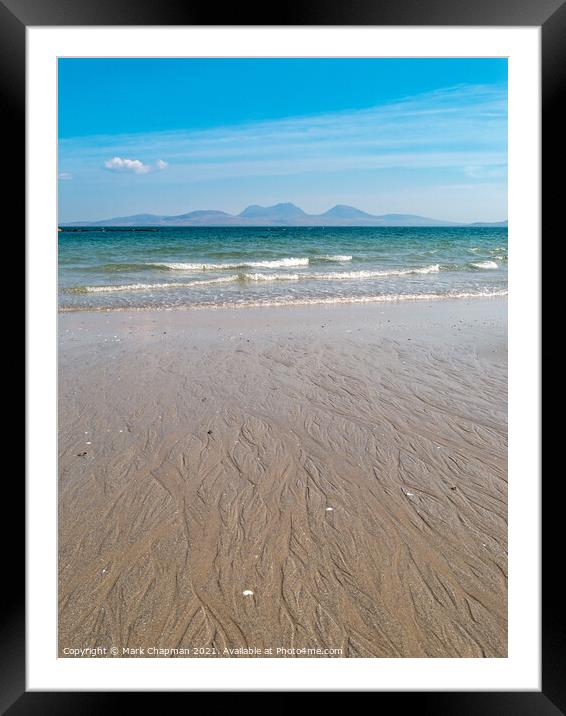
(166, 136)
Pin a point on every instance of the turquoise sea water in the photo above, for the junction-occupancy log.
(167, 267)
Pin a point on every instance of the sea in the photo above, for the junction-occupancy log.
(191, 267)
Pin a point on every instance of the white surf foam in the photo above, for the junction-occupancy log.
(485, 265)
(275, 263)
(384, 298)
(270, 276)
(152, 286)
(338, 275)
(294, 301)
(339, 258)
(335, 275)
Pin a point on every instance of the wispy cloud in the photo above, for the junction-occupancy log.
(65, 176)
(497, 171)
(133, 166)
(455, 129)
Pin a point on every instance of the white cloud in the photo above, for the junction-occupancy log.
(117, 164)
(65, 175)
(161, 164)
(482, 172)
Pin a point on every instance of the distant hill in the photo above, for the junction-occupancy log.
(280, 214)
(285, 214)
(196, 218)
(342, 211)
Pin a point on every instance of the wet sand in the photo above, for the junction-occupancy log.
(344, 464)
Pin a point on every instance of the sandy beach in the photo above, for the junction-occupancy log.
(329, 478)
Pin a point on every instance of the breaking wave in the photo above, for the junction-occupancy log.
(485, 265)
(256, 277)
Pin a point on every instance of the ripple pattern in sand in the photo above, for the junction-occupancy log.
(358, 491)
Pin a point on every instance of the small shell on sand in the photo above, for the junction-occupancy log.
(330, 509)
(248, 593)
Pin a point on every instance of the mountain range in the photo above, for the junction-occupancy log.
(285, 214)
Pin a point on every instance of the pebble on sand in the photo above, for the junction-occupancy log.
(330, 509)
(248, 593)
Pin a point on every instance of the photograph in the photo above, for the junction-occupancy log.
(282, 357)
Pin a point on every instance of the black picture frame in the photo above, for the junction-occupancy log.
(550, 15)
